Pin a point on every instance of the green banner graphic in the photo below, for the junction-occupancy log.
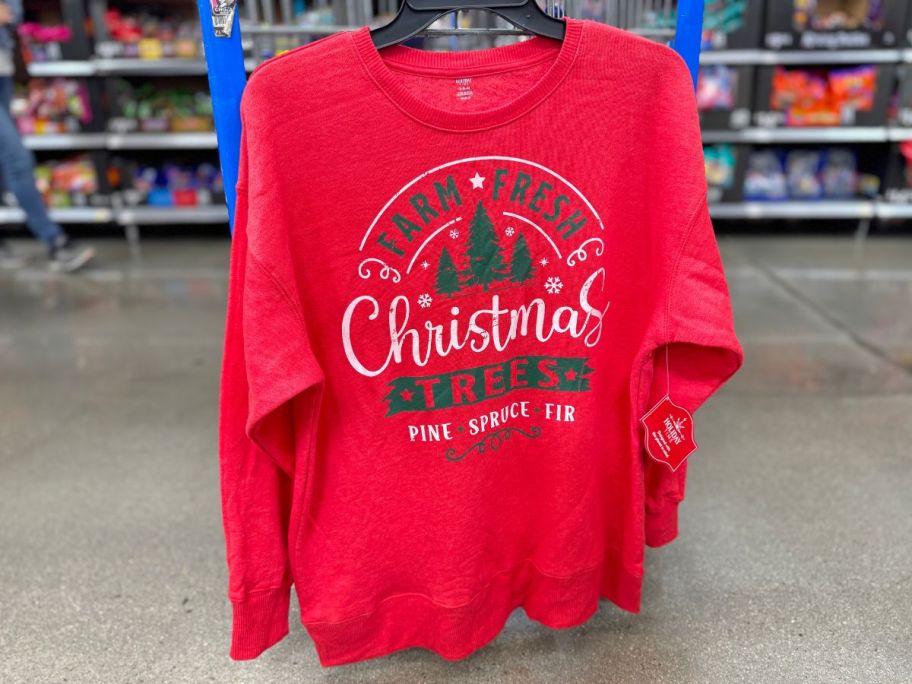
(472, 385)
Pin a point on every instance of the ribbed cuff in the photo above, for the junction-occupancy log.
(662, 523)
(260, 621)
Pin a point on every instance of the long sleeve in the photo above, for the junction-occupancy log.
(267, 365)
(691, 320)
(702, 351)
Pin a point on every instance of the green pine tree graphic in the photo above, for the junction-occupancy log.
(447, 275)
(486, 264)
(521, 265)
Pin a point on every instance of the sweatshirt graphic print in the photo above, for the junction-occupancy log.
(456, 279)
(485, 260)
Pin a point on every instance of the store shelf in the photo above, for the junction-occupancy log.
(147, 216)
(150, 67)
(119, 67)
(797, 210)
(801, 135)
(161, 141)
(66, 141)
(137, 216)
(257, 29)
(122, 141)
(767, 57)
(63, 215)
(61, 68)
(889, 210)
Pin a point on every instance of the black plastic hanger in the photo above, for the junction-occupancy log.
(416, 15)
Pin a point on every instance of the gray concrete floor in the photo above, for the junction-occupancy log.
(793, 562)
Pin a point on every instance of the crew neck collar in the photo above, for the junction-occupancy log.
(381, 67)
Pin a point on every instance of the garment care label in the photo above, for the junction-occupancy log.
(669, 433)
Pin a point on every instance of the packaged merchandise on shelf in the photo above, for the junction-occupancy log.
(151, 109)
(40, 43)
(724, 172)
(59, 105)
(69, 182)
(807, 174)
(266, 46)
(167, 185)
(145, 36)
(764, 178)
(834, 24)
(717, 87)
(795, 97)
(732, 24)
(727, 24)
(724, 95)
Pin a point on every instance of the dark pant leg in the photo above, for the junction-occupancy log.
(17, 164)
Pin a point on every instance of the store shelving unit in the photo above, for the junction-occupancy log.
(81, 62)
(263, 26)
(881, 136)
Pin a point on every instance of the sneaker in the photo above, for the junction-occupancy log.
(67, 258)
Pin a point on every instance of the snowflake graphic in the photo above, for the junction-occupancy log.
(554, 285)
(454, 233)
(424, 301)
(509, 231)
(425, 265)
(543, 261)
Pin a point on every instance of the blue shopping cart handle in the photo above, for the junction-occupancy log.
(688, 34)
(227, 79)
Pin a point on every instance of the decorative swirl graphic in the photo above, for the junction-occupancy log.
(580, 254)
(387, 272)
(493, 441)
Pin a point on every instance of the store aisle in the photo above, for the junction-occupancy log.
(793, 561)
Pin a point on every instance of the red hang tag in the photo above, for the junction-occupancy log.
(669, 433)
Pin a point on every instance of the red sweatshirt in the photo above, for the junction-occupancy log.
(453, 277)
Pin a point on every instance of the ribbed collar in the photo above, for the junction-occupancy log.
(381, 65)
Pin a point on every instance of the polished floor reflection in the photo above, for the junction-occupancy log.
(794, 556)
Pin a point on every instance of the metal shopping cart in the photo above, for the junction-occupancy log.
(269, 26)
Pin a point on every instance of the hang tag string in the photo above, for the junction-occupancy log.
(667, 372)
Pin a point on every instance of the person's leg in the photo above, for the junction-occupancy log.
(6, 92)
(17, 164)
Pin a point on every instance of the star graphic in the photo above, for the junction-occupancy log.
(543, 261)
(406, 395)
(425, 264)
(570, 375)
(477, 181)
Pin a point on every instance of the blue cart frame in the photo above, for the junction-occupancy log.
(228, 76)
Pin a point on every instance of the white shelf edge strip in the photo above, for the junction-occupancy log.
(127, 216)
(218, 214)
(786, 209)
(121, 141)
(772, 57)
(799, 135)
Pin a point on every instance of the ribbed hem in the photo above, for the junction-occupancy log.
(260, 621)
(461, 63)
(454, 632)
(662, 523)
